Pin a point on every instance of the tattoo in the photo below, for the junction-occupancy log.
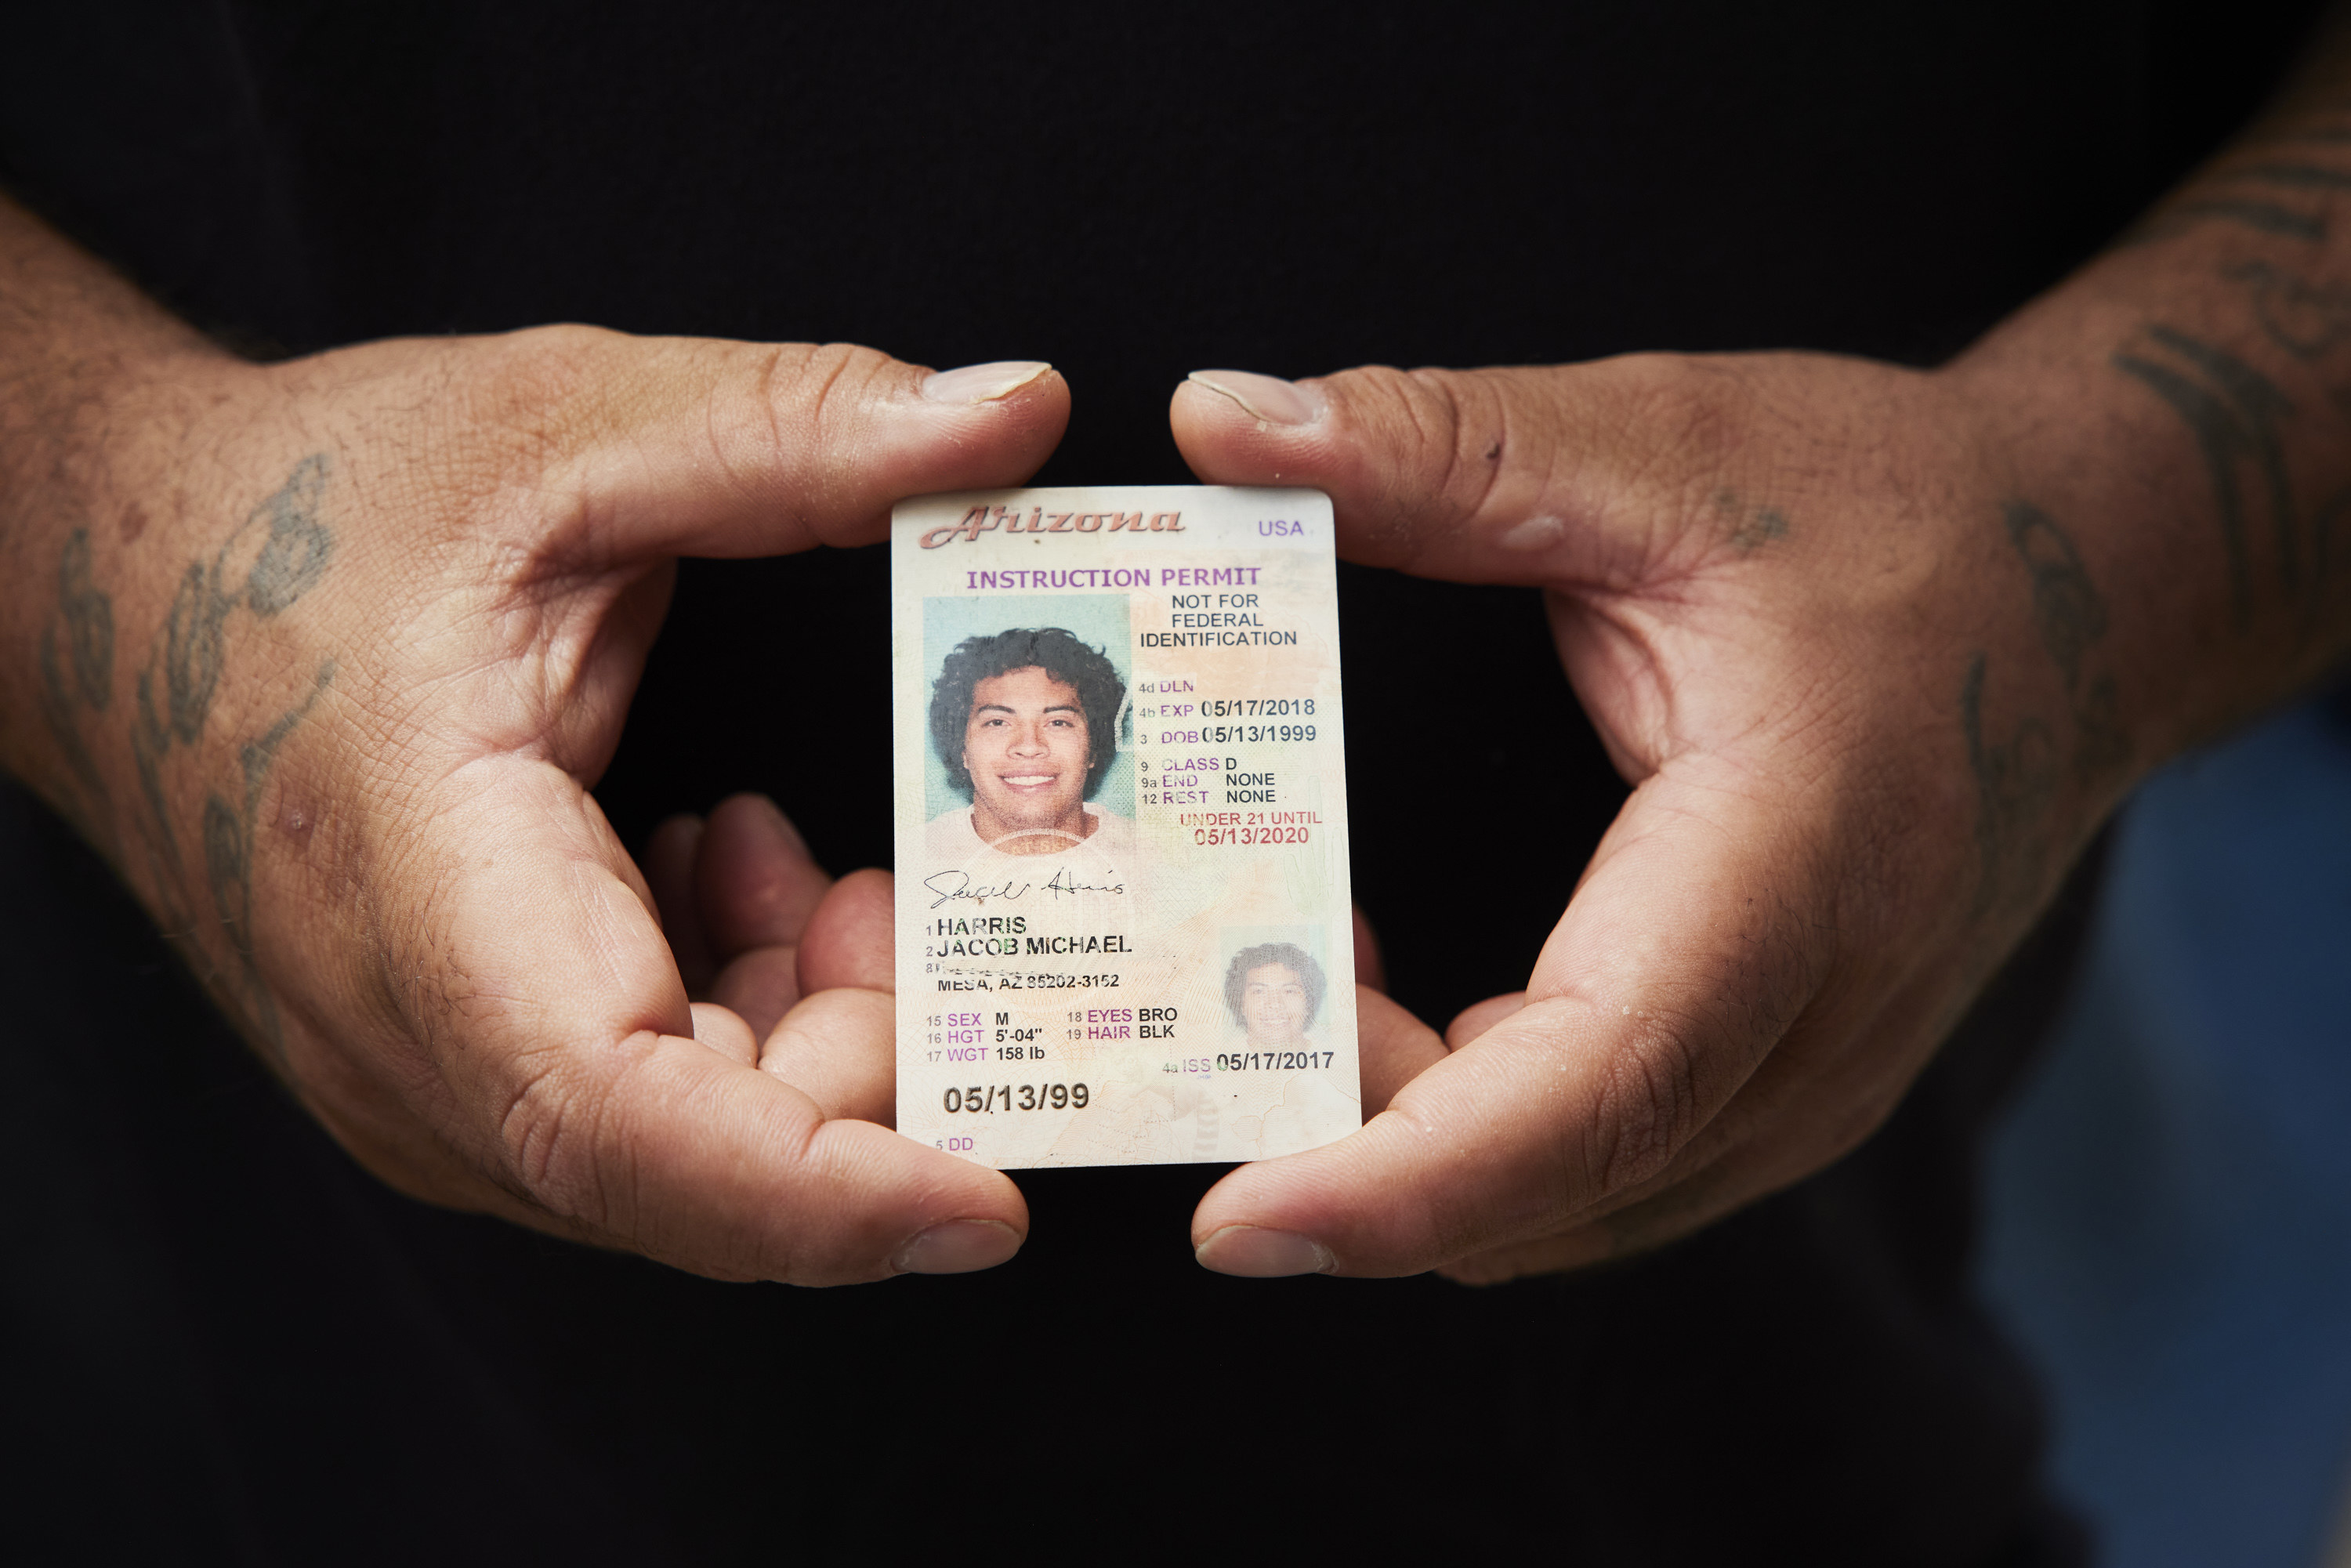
(2233, 411)
(2015, 784)
(256, 755)
(65, 727)
(1750, 528)
(88, 616)
(2065, 603)
(296, 554)
(2264, 217)
(2291, 176)
(267, 563)
(192, 649)
(2017, 781)
(229, 867)
(2305, 319)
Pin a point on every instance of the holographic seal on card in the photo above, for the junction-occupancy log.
(1122, 913)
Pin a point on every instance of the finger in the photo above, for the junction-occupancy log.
(839, 1048)
(1682, 1201)
(1801, 1110)
(1369, 970)
(1676, 968)
(850, 941)
(755, 882)
(559, 1035)
(669, 872)
(1478, 1017)
(696, 447)
(761, 985)
(724, 1031)
(1395, 1047)
(1531, 474)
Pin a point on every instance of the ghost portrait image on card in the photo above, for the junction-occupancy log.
(1124, 928)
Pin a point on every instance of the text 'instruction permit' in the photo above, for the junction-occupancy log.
(1122, 913)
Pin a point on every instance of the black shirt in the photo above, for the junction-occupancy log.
(297, 1364)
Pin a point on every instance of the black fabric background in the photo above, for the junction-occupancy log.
(230, 1341)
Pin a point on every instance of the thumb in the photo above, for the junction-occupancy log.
(1521, 475)
(699, 446)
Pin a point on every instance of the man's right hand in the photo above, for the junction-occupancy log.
(326, 655)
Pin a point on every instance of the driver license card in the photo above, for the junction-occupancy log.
(1123, 915)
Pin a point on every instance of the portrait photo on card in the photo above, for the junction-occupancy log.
(1029, 721)
(1276, 985)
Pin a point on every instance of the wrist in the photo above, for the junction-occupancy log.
(2178, 470)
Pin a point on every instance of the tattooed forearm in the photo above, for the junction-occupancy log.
(2234, 413)
(2065, 605)
(2287, 177)
(276, 555)
(2261, 217)
(283, 549)
(2306, 319)
(2017, 781)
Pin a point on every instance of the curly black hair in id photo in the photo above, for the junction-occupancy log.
(1290, 956)
(1100, 692)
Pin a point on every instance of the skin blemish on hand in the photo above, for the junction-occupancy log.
(134, 523)
(295, 818)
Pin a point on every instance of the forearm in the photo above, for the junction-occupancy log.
(101, 390)
(2176, 419)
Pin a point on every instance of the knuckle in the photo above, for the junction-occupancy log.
(825, 388)
(542, 376)
(1688, 426)
(1440, 437)
(1651, 1104)
(556, 1149)
(1453, 419)
(1688, 411)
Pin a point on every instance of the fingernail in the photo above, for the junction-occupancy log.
(957, 1247)
(1256, 1254)
(1268, 398)
(983, 383)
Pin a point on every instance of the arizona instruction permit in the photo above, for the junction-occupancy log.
(1123, 921)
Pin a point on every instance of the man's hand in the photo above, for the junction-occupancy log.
(1833, 620)
(326, 655)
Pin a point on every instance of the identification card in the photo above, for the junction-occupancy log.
(1123, 924)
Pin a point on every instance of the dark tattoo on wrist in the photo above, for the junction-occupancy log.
(2017, 780)
(2066, 605)
(2016, 783)
(2261, 216)
(2306, 319)
(2233, 411)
